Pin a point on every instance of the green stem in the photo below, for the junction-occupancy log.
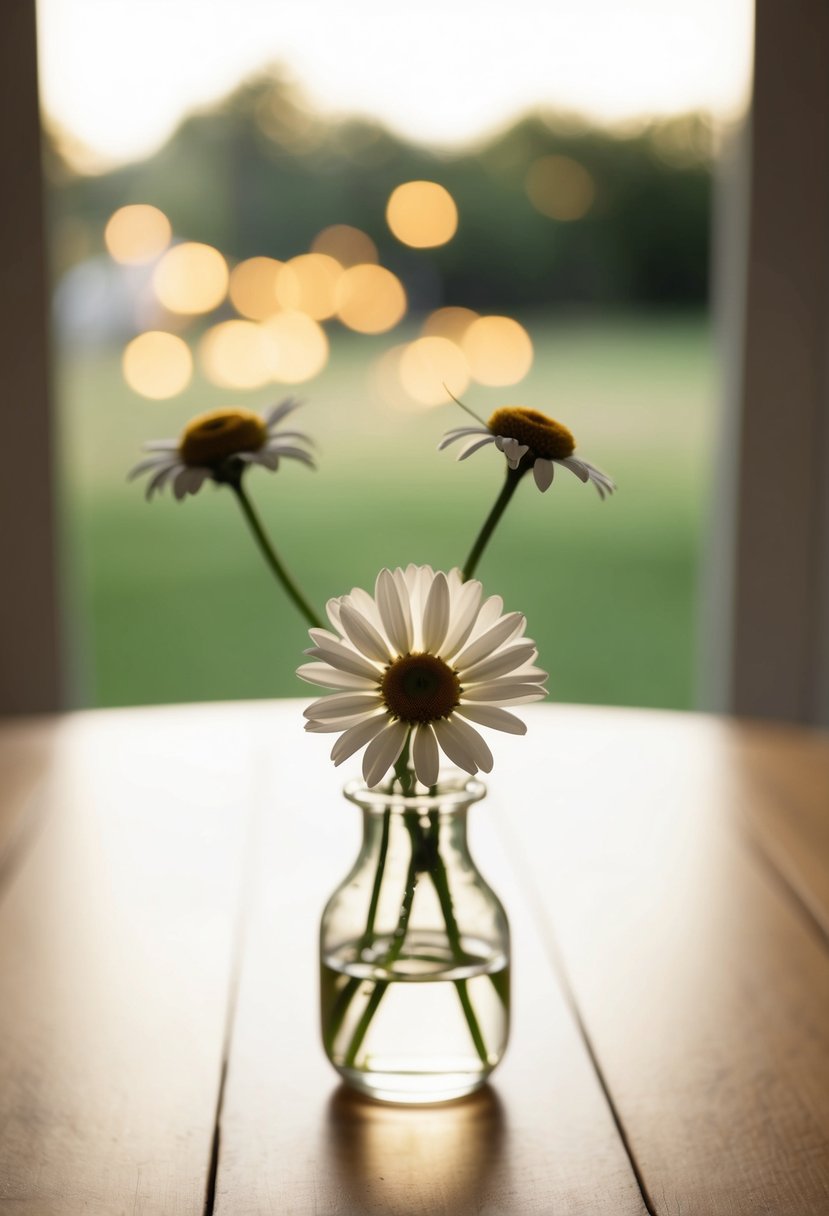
(392, 954)
(269, 553)
(378, 879)
(437, 873)
(501, 502)
(349, 990)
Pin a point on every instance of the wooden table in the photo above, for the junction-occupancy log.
(161, 875)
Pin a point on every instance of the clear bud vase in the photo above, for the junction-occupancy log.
(414, 952)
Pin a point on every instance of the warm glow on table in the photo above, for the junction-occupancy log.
(161, 876)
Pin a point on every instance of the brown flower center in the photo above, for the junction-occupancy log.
(420, 688)
(212, 437)
(543, 436)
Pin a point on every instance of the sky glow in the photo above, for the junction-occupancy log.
(118, 75)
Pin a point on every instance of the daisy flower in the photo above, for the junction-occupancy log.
(427, 654)
(218, 442)
(532, 438)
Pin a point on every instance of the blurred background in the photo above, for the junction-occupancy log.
(360, 205)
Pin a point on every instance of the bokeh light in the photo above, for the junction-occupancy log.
(308, 284)
(370, 299)
(559, 187)
(498, 349)
(449, 323)
(191, 278)
(422, 214)
(253, 287)
(157, 365)
(297, 347)
(137, 233)
(348, 245)
(428, 364)
(236, 354)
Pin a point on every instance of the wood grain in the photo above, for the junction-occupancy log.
(701, 984)
(783, 775)
(672, 867)
(116, 936)
(541, 1139)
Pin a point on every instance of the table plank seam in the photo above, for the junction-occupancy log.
(559, 968)
(788, 884)
(243, 913)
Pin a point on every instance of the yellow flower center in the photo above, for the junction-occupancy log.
(543, 436)
(212, 437)
(420, 688)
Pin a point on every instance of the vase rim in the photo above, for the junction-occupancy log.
(454, 790)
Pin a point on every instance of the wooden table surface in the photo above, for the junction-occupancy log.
(161, 877)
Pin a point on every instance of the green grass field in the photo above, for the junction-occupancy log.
(171, 602)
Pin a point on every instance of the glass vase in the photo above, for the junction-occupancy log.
(414, 952)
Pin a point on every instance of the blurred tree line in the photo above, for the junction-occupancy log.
(261, 174)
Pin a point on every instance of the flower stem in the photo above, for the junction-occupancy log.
(349, 990)
(440, 880)
(269, 553)
(378, 878)
(341, 1006)
(392, 954)
(501, 502)
(425, 857)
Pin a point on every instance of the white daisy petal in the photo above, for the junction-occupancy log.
(604, 484)
(575, 466)
(416, 611)
(453, 745)
(343, 705)
(522, 675)
(344, 659)
(278, 412)
(502, 631)
(466, 605)
(424, 577)
(425, 754)
(436, 614)
(472, 741)
(160, 479)
(365, 605)
(152, 462)
(492, 716)
(398, 628)
(294, 453)
(265, 456)
(332, 611)
(329, 677)
(188, 481)
(512, 449)
(543, 471)
(323, 636)
(363, 634)
(531, 673)
(357, 736)
(506, 659)
(503, 692)
(491, 611)
(473, 447)
(335, 726)
(161, 445)
(460, 433)
(382, 752)
(279, 437)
